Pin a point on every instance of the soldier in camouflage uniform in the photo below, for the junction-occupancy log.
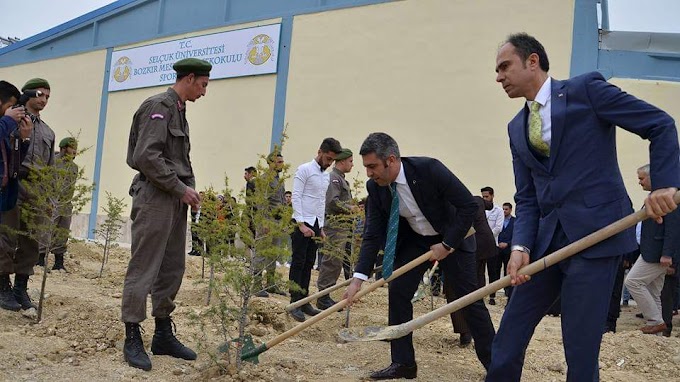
(159, 149)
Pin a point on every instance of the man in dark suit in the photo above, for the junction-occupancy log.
(563, 146)
(659, 249)
(505, 241)
(416, 204)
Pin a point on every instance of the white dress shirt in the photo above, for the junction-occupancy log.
(408, 209)
(543, 97)
(309, 193)
(495, 218)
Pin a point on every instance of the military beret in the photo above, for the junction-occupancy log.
(192, 65)
(68, 142)
(35, 83)
(344, 154)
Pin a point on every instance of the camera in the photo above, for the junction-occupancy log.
(28, 94)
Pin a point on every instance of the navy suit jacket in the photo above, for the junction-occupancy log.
(506, 236)
(658, 240)
(443, 199)
(580, 186)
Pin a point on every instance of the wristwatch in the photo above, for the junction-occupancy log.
(520, 248)
(447, 247)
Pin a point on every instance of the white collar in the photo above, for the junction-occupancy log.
(543, 94)
(401, 177)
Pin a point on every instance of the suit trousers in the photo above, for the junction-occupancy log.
(302, 262)
(585, 287)
(670, 285)
(457, 317)
(458, 266)
(493, 269)
(159, 226)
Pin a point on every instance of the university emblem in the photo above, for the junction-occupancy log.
(260, 49)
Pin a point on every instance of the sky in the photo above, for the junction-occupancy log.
(44, 14)
(628, 15)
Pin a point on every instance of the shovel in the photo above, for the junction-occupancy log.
(398, 331)
(252, 355)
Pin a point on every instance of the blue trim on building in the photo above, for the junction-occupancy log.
(587, 53)
(286, 37)
(133, 21)
(639, 65)
(585, 38)
(103, 107)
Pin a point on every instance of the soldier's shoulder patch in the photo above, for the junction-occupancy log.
(157, 116)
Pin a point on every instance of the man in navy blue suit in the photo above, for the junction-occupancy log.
(563, 145)
(420, 201)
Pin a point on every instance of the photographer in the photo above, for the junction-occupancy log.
(15, 125)
(19, 253)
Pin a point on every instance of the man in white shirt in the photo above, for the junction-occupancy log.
(495, 218)
(309, 206)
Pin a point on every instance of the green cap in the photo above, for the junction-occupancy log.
(192, 65)
(35, 83)
(344, 154)
(68, 142)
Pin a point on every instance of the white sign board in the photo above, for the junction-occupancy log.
(243, 52)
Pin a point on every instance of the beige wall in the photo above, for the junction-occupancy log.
(633, 151)
(422, 71)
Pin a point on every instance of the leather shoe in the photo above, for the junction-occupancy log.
(654, 329)
(309, 310)
(639, 315)
(325, 302)
(396, 371)
(297, 315)
(262, 293)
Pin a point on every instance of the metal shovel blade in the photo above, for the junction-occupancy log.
(369, 333)
(249, 352)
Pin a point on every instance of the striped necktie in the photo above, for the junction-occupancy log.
(392, 231)
(535, 130)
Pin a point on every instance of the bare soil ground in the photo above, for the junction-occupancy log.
(80, 338)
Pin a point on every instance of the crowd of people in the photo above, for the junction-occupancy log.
(568, 185)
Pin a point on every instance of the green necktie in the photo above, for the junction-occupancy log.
(535, 127)
(392, 230)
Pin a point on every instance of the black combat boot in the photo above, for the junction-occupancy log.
(133, 350)
(164, 341)
(7, 299)
(21, 292)
(59, 262)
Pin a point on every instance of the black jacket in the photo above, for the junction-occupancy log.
(444, 200)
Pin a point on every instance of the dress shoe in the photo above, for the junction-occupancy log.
(277, 290)
(297, 315)
(465, 339)
(325, 302)
(309, 310)
(262, 293)
(492, 301)
(653, 329)
(639, 315)
(396, 371)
